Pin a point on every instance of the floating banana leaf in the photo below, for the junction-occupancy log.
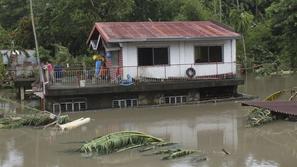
(161, 144)
(35, 120)
(164, 144)
(26, 120)
(179, 154)
(166, 151)
(116, 141)
(147, 149)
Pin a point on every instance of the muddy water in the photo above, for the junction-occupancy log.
(209, 127)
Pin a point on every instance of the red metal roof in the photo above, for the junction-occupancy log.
(286, 107)
(163, 31)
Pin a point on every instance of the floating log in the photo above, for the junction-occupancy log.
(74, 124)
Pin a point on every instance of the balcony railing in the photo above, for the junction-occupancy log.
(113, 75)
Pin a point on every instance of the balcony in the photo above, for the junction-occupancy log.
(113, 76)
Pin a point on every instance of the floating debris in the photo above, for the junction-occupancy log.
(161, 144)
(117, 141)
(259, 117)
(147, 149)
(178, 154)
(165, 144)
(275, 95)
(74, 124)
(197, 159)
(226, 152)
(127, 140)
(166, 151)
(31, 120)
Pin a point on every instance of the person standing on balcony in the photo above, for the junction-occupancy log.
(104, 72)
(50, 71)
(99, 59)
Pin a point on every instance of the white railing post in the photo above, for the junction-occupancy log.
(165, 71)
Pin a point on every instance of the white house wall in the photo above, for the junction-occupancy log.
(181, 58)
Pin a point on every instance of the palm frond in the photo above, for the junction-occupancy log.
(274, 96)
(117, 141)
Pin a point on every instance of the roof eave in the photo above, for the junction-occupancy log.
(173, 39)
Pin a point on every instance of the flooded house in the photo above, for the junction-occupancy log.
(150, 63)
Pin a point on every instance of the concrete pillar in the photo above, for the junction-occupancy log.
(22, 93)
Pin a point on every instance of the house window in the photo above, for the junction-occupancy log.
(173, 100)
(153, 56)
(124, 103)
(206, 54)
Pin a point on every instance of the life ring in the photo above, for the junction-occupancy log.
(191, 72)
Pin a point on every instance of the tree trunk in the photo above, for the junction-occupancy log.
(214, 3)
(244, 52)
(220, 10)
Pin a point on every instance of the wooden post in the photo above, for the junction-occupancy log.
(42, 104)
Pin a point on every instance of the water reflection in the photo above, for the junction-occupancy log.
(13, 157)
(252, 162)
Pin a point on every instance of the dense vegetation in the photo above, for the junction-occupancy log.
(268, 27)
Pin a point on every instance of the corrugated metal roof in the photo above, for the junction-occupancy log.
(163, 31)
(286, 107)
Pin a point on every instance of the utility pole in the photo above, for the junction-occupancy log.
(38, 58)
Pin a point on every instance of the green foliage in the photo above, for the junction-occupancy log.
(117, 141)
(5, 38)
(45, 55)
(26, 120)
(12, 11)
(23, 34)
(259, 117)
(2, 70)
(178, 154)
(193, 10)
(241, 20)
(62, 55)
(283, 18)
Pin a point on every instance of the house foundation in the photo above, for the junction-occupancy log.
(141, 94)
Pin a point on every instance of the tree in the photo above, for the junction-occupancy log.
(68, 22)
(5, 38)
(12, 11)
(241, 21)
(23, 34)
(284, 30)
(194, 10)
(2, 70)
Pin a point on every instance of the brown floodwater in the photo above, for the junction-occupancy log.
(208, 127)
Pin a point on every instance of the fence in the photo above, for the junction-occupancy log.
(113, 75)
(23, 72)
